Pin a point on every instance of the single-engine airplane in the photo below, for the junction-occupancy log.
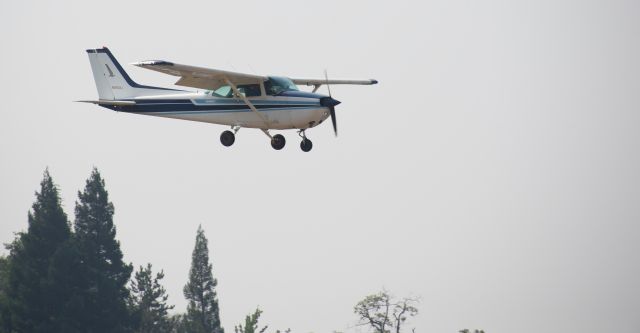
(233, 99)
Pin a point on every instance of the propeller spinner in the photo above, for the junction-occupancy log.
(330, 103)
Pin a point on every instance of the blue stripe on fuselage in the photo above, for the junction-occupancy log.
(204, 106)
(169, 112)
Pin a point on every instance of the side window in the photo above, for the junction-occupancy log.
(250, 90)
(224, 91)
(271, 88)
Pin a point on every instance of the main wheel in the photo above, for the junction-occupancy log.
(227, 138)
(306, 145)
(278, 141)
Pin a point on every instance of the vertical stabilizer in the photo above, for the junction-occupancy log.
(112, 82)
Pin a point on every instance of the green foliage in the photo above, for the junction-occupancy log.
(5, 314)
(251, 324)
(202, 312)
(383, 313)
(103, 274)
(150, 302)
(36, 301)
(59, 280)
(179, 323)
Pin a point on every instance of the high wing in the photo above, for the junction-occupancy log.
(212, 79)
(319, 82)
(199, 77)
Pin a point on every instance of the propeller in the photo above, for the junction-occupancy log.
(330, 103)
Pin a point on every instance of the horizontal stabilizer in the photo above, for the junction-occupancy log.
(109, 102)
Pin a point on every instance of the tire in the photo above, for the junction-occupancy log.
(306, 145)
(227, 138)
(278, 142)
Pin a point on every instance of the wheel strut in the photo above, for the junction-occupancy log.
(305, 144)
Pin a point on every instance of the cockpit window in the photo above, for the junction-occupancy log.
(248, 90)
(224, 91)
(276, 85)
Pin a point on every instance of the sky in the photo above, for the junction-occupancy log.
(493, 171)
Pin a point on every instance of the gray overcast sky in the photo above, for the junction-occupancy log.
(493, 171)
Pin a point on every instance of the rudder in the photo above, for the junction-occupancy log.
(112, 82)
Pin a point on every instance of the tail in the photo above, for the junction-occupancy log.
(113, 82)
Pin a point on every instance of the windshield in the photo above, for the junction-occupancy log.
(276, 85)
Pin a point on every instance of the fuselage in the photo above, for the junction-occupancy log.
(287, 110)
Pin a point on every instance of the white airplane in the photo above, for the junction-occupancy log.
(233, 99)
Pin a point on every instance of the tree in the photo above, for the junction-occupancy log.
(150, 302)
(178, 323)
(202, 312)
(383, 313)
(104, 275)
(5, 315)
(35, 301)
(251, 324)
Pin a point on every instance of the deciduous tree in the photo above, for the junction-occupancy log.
(385, 314)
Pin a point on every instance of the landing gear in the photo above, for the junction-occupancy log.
(305, 144)
(227, 138)
(278, 141)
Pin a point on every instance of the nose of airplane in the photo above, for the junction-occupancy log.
(329, 102)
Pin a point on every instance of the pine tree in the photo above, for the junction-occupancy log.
(5, 315)
(150, 302)
(104, 275)
(179, 323)
(202, 312)
(37, 303)
(251, 324)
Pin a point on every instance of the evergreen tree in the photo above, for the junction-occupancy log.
(104, 275)
(251, 324)
(5, 315)
(202, 312)
(36, 302)
(150, 302)
(64, 282)
(179, 323)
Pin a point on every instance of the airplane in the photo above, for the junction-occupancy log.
(234, 99)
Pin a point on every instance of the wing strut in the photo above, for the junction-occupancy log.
(250, 105)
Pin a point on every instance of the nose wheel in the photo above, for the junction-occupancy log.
(305, 144)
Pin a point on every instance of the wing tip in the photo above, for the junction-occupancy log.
(152, 63)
